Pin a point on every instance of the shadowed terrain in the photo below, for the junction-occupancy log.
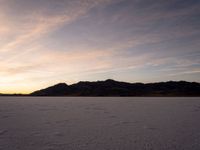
(115, 88)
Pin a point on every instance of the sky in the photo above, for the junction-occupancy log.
(44, 42)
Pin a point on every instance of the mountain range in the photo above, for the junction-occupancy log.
(115, 88)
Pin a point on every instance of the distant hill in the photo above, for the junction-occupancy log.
(1, 94)
(115, 88)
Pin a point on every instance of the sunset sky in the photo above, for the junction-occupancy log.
(43, 42)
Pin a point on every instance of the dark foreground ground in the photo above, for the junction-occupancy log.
(44, 123)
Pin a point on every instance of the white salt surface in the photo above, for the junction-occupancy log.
(52, 123)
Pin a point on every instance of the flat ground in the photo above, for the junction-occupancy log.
(52, 123)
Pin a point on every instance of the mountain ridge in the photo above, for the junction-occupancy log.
(111, 87)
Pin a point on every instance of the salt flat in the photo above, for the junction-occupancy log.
(65, 123)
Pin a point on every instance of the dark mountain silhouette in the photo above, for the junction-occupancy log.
(115, 88)
(56, 90)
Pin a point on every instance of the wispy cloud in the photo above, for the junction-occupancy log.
(42, 24)
(44, 42)
(185, 72)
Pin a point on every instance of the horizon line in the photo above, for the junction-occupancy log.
(27, 93)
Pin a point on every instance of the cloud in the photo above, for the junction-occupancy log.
(41, 24)
(185, 72)
(44, 42)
